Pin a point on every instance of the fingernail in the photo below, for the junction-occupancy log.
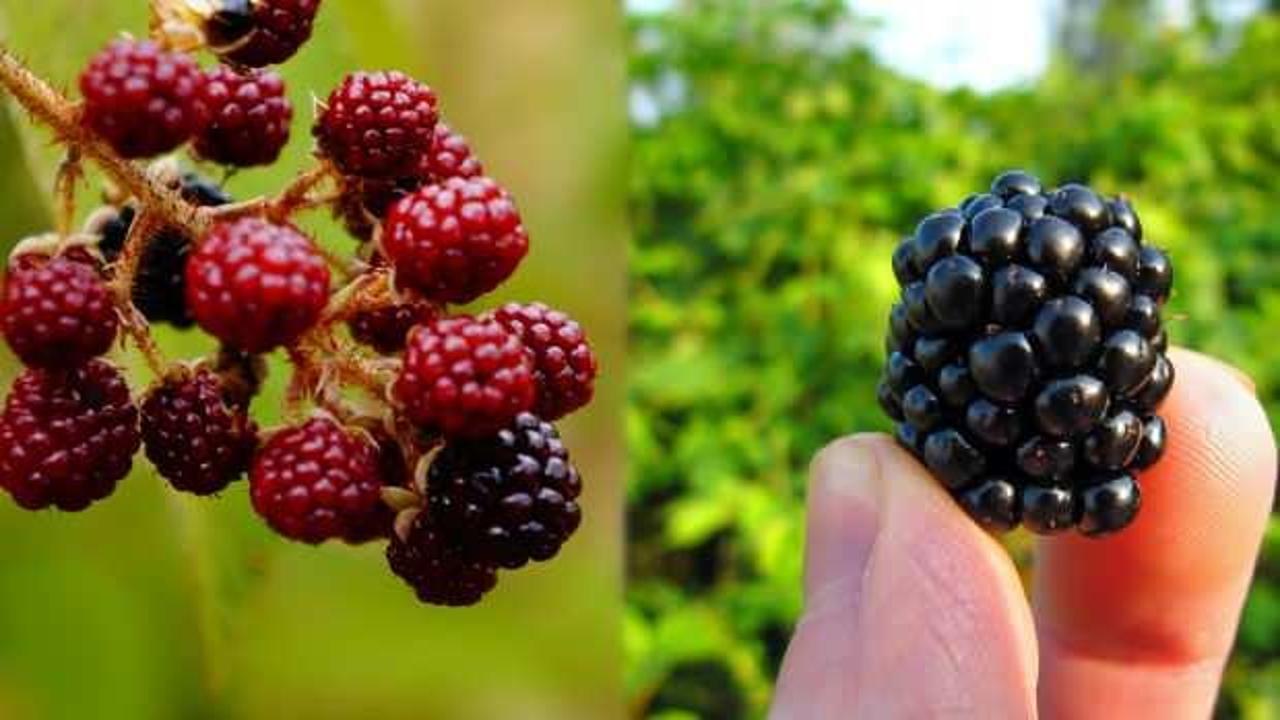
(848, 469)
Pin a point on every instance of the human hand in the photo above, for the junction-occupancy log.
(912, 611)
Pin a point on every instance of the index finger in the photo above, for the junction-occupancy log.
(1142, 622)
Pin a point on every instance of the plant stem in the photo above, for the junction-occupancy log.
(126, 269)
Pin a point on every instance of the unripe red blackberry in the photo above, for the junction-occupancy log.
(318, 481)
(57, 312)
(249, 117)
(67, 437)
(141, 99)
(385, 329)
(377, 125)
(196, 438)
(436, 567)
(564, 368)
(509, 498)
(455, 241)
(160, 285)
(255, 285)
(257, 33)
(1026, 359)
(464, 377)
(450, 156)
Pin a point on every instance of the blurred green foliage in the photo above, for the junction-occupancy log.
(776, 164)
(151, 606)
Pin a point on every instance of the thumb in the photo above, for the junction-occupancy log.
(911, 610)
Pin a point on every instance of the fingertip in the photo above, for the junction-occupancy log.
(1168, 589)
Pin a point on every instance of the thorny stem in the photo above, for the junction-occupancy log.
(294, 197)
(126, 268)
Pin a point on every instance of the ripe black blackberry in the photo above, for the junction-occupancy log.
(509, 498)
(1026, 355)
(159, 288)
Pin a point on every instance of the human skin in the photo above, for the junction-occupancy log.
(912, 611)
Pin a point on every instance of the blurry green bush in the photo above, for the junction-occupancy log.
(776, 163)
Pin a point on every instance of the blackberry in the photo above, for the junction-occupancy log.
(564, 368)
(455, 241)
(249, 118)
(318, 481)
(436, 567)
(57, 312)
(256, 33)
(377, 125)
(256, 285)
(509, 498)
(194, 437)
(464, 377)
(159, 287)
(1026, 357)
(67, 437)
(142, 99)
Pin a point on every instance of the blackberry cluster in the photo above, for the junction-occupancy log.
(1026, 355)
(450, 456)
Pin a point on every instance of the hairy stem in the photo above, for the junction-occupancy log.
(144, 226)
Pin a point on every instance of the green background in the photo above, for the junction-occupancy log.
(151, 605)
(783, 164)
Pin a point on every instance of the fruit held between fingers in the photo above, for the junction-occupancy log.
(1025, 356)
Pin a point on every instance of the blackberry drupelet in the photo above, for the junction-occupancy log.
(1026, 355)
(509, 498)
